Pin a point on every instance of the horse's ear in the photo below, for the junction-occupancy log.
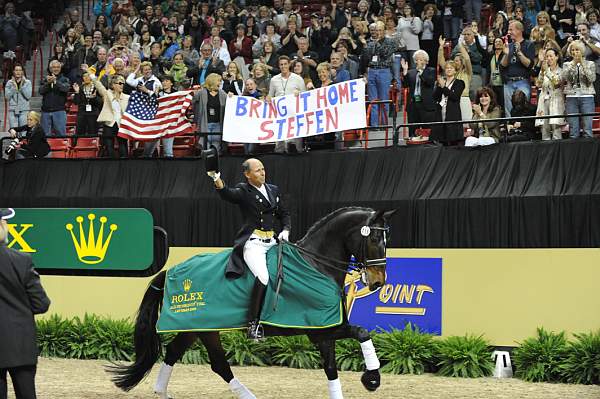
(387, 215)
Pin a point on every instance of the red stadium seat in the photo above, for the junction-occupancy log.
(424, 133)
(87, 147)
(59, 147)
(184, 146)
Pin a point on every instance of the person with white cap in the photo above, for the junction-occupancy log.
(21, 297)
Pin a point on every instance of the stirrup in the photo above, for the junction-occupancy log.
(255, 330)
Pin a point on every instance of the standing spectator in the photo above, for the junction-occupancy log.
(9, 27)
(308, 58)
(421, 107)
(472, 11)
(209, 112)
(167, 143)
(115, 104)
(261, 78)
(485, 107)
(61, 56)
(322, 38)
(286, 83)
(240, 49)
(432, 30)
(104, 7)
(495, 77)
(208, 63)
(579, 76)
(88, 107)
(178, 71)
(269, 58)
(591, 53)
(102, 67)
(190, 54)
(463, 71)
(452, 13)
(18, 92)
(196, 28)
(348, 63)
(299, 69)
(282, 18)
(551, 100)
(447, 93)
(563, 20)
(289, 41)
(36, 146)
(269, 36)
(378, 59)
(475, 53)
(592, 18)
(337, 68)
(409, 27)
(232, 80)
(54, 89)
(516, 63)
(22, 296)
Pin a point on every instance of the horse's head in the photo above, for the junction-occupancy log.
(368, 244)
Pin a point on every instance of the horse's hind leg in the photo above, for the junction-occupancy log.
(175, 351)
(219, 364)
(327, 350)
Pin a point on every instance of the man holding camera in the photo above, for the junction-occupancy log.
(54, 89)
(21, 297)
(517, 61)
(170, 42)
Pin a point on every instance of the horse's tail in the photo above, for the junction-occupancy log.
(147, 342)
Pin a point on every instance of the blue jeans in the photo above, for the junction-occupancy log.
(17, 120)
(54, 122)
(510, 87)
(452, 27)
(397, 70)
(214, 140)
(378, 87)
(150, 146)
(576, 105)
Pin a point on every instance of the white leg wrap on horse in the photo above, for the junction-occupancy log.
(335, 389)
(368, 350)
(164, 374)
(240, 390)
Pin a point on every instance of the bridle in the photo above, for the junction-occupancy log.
(358, 264)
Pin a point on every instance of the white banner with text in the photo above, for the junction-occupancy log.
(334, 108)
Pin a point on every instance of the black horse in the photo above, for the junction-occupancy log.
(328, 246)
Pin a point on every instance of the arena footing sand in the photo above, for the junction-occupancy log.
(86, 379)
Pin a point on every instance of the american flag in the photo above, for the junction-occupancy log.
(147, 118)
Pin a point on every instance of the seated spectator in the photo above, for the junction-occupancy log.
(486, 107)
(251, 90)
(54, 89)
(524, 129)
(551, 100)
(18, 93)
(578, 76)
(88, 107)
(37, 145)
(233, 82)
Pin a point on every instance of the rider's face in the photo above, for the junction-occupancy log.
(256, 174)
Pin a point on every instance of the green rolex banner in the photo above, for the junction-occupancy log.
(198, 297)
(90, 239)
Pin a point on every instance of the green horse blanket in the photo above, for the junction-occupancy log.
(198, 297)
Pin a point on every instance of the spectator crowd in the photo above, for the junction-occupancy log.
(457, 62)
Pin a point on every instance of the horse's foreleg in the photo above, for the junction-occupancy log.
(327, 350)
(175, 351)
(219, 364)
(371, 378)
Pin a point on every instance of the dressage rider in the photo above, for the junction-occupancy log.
(261, 206)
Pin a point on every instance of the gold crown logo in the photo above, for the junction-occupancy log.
(93, 249)
(187, 284)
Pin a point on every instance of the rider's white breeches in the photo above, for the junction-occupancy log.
(255, 256)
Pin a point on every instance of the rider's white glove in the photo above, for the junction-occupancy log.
(214, 175)
(284, 235)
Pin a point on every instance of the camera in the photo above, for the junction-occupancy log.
(14, 143)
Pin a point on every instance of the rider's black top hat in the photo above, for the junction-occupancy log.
(211, 159)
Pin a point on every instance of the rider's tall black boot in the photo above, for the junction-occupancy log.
(256, 303)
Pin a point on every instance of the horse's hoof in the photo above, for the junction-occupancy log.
(371, 380)
(163, 395)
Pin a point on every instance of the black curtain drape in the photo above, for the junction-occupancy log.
(535, 194)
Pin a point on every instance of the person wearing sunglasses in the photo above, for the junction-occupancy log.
(115, 104)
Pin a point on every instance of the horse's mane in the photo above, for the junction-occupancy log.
(325, 219)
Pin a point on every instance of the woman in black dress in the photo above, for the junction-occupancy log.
(447, 93)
